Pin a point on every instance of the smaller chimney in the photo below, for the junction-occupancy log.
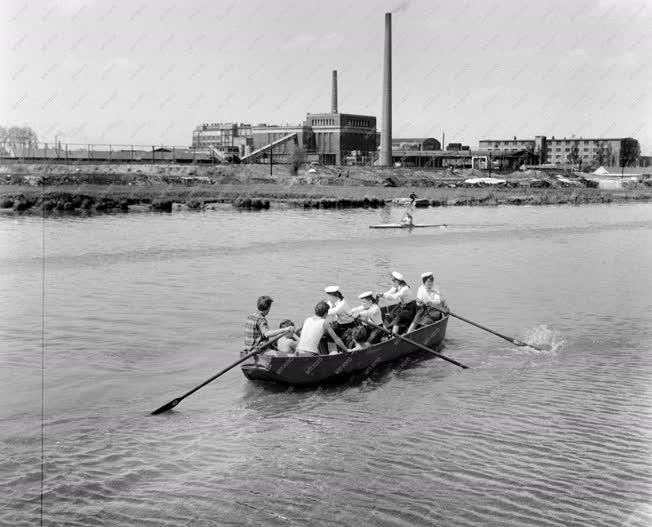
(334, 93)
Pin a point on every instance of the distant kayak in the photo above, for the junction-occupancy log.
(406, 226)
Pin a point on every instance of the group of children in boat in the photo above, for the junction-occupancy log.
(350, 329)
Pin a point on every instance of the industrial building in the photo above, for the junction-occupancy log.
(622, 151)
(330, 138)
(415, 143)
(226, 137)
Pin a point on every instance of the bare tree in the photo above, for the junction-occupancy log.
(21, 136)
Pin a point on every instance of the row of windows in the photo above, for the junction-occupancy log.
(323, 122)
(357, 122)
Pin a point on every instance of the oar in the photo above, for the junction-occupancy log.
(174, 402)
(410, 341)
(510, 339)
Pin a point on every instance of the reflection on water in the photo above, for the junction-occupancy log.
(138, 309)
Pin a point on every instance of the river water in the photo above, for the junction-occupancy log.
(122, 313)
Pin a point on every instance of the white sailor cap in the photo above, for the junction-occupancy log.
(331, 289)
(426, 275)
(366, 294)
(398, 276)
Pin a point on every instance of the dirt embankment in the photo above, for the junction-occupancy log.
(123, 187)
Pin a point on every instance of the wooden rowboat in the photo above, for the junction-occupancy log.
(332, 368)
(406, 226)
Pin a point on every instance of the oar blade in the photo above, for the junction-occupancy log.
(526, 345)
(166, 407)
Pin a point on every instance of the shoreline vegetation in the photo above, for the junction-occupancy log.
(101, 188)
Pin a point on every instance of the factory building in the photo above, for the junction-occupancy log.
(225, 137)
(622, 151)
(416, 143)
(330, 137)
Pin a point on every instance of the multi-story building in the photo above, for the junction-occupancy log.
(226, 137)
(622, 151)
(330, 136)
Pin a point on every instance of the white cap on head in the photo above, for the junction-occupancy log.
(398, 276)
(366, 294)
(426, 275)
(331, 289)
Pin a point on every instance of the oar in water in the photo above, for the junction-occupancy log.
(510, 339)
(410, 341)
(259, 349)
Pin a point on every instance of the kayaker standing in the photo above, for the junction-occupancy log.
(257, 328)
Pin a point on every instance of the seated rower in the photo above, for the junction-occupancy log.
(428, 298)
(369, 311)
(257, 329)
(314, 329)
(407, 220)
(359, 336)
(339, 312)
(403, 313)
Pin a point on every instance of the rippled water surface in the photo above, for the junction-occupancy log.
(129, 311)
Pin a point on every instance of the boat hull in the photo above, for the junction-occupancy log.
(322, 369)
(406, 226)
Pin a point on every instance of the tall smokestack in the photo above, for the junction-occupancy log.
(334, 93)
(386, 132)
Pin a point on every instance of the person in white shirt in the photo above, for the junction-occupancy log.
(428, 297)
(369, 311)
(313, 330)
(339, 312)
(403, 313)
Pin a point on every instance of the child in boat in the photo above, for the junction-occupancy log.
(287, 344)
(359, 336)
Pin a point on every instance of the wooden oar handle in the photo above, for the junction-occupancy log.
(259, 349)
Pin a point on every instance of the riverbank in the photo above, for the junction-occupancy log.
(114, 188)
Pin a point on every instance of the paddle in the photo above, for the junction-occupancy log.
(510, 339)
(410, 341)
(174, 402)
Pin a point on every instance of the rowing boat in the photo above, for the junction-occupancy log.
(406, 226)
(332, 368)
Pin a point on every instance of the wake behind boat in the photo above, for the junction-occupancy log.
(406, 225)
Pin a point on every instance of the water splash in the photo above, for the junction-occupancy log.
(543, 337)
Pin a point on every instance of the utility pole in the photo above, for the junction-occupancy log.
(271, 154)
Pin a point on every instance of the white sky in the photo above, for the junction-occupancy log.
(147, 72)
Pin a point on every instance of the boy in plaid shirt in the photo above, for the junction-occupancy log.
(256, 326)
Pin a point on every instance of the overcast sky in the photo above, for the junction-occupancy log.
(147, 72)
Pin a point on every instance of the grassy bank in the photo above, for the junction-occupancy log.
(102, 198)
(56, 188)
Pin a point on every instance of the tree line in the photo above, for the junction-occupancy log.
(13, 136)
